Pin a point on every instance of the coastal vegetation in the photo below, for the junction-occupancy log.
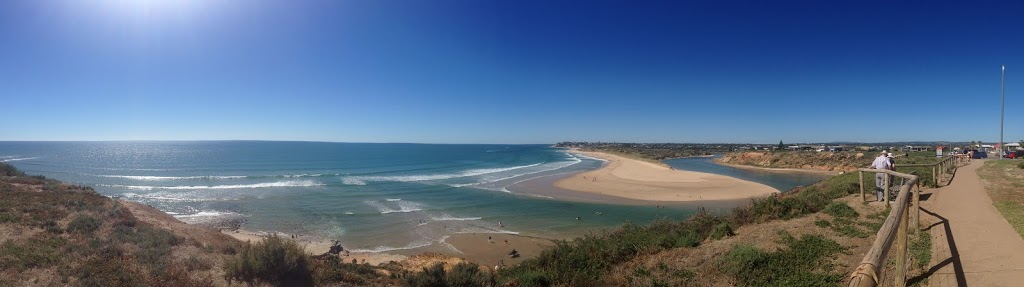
(60, 234)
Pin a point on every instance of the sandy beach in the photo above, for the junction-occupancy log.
(640, 180)
(487, 249)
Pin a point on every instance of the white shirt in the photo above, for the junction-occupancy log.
(881, 162)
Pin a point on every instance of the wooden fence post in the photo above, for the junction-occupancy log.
(917, 206)
(901, 252)
(861, 173)
(886, 198)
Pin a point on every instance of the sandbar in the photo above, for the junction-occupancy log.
(640, 180)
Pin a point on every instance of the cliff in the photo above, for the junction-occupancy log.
(817, 161)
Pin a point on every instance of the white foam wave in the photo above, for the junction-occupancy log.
(401, 206)
(444, 241)
(427, 177)
(409, 206)
(449, 217)
(291, 183)
(554, 166)
(590, 158)
(163, 178)
(378, 249)
(352, 181)
(486, 230)
(304, 175)
(161, 197)
(392, 199)
(18, 159)
(379, 206)
(206, 214)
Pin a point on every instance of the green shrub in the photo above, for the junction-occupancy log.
(722, 230)
(462, 275)
(1021, 165)
(468, 274)
(331, 270)
(273, 260)
(921, 249)
(822, 223)
(7, 169)
(797, 265)
(840, 209)
(527, 278)
(40, 251)
(83, 224)
(432, 276)
(849, 230)
(193, 263)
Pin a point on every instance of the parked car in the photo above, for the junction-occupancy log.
(979, 154)
(1015, 154)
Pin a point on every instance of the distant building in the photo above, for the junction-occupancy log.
(917, 148)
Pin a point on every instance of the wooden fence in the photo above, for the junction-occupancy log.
(907, 207)
(944, 166)
(894, 230)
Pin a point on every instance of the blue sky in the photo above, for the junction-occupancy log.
(509, 71)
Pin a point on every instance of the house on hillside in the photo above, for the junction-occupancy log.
(803, 147)
(910, 148)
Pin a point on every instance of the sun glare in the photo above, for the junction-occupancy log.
(143, 11)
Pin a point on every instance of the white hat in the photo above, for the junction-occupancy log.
(889, 154)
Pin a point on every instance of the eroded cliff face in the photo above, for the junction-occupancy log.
(823, 161)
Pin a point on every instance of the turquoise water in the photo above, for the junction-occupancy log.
(372, 197)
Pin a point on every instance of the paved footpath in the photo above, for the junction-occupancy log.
(972, 244)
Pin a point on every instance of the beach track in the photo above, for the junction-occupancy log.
(972, 243)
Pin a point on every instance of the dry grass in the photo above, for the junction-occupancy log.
(1004, 181)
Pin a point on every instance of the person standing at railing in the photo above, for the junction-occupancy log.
(881, 162)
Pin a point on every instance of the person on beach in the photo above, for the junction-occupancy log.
(881, 162)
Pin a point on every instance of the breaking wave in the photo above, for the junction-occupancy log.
(18, 159)
(378, 249)
(208, 177)
(400, 206)
(290, 183)
(361, 180)
(163, 178)
(449, 217)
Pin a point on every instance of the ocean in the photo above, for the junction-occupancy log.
(370, 197)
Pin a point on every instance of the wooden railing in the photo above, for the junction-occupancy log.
(944, 166)
(894, 230)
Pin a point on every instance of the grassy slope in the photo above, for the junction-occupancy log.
(59, 234)
(1004, 181)
(55, 234)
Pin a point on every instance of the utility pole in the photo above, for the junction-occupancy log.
(1002, 113)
